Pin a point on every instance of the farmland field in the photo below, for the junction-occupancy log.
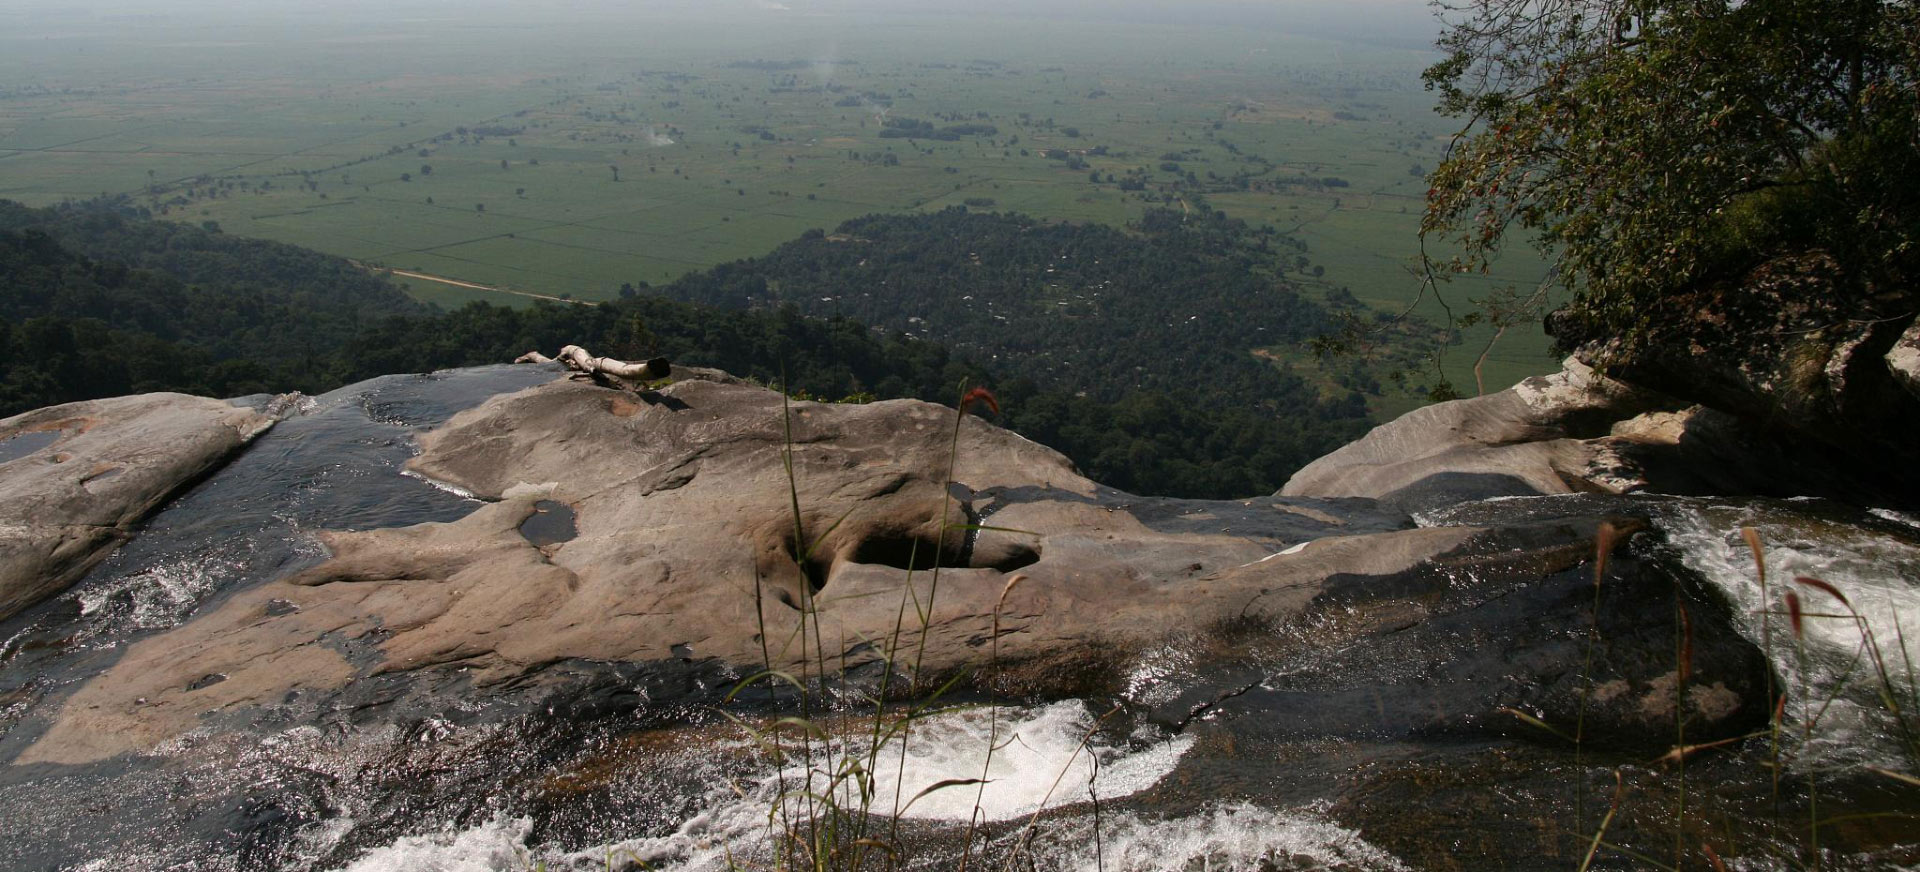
(573, 161)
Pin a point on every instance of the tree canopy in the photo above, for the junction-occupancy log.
(1652, 145)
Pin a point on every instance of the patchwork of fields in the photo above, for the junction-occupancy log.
(573, 162)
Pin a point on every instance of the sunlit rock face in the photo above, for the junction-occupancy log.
(661, 527)
(1546, 435)
(1582, 431)
(1903, 360)
(75, 478)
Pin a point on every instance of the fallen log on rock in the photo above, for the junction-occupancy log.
(578, 360)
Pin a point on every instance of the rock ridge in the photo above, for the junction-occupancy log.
(75, 478)
(677, 541)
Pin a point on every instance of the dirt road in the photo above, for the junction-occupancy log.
(464, 284)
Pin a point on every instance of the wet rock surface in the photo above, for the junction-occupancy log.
(685, 551)
(75, 478)
(1461, 649)
(552, 649)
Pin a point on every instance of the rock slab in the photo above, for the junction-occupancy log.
(1809, 353)
(1903, 360)
(1575, 431)
(1546, 435)
(75, 478)
(712, 522)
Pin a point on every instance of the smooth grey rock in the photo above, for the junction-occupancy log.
(684, 550)
(1903, 360)
(1536, 437)
(83, 473)
(1576, 431)
(683, 546)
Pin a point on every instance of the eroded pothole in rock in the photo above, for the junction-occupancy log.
(16, 447)
(551, 523)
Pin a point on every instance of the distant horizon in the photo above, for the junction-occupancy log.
(571, 148)
(1397, 23)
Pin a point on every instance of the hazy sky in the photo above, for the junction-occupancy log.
(1398, 22)
(1382, 20)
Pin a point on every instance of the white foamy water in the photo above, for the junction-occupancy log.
(1829, 671)
(1876, 572)
(442, 486)
(496, 846)
(1224, 837)
(162, 596)
(1042, 758)
(1896, 517)
(1220, 837)
(1038, 761)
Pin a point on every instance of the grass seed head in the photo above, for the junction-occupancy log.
(1829, 589)
(1604, 540)
(982, 396)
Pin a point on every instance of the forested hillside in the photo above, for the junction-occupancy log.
(233, 297)
(99, 301)
(1178, 305)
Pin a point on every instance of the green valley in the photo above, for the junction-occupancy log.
(570, 161)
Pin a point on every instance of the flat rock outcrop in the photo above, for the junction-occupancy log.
(75, 478)
(1578, 431)
(683, 546)
(664, 526)
(1547, 435)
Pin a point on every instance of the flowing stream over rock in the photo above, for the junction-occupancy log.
(1230, 748)
(1872, 557)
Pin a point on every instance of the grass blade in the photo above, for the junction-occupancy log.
(1619, 789)
(1901, 777)
(1530, 719)
(943, 785)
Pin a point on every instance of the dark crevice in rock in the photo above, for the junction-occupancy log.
(814, 567)
(907, 552)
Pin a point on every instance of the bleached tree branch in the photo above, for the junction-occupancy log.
(579, 359)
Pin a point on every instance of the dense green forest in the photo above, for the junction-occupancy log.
(100, 301)
(1178, 305)
(234, 298)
